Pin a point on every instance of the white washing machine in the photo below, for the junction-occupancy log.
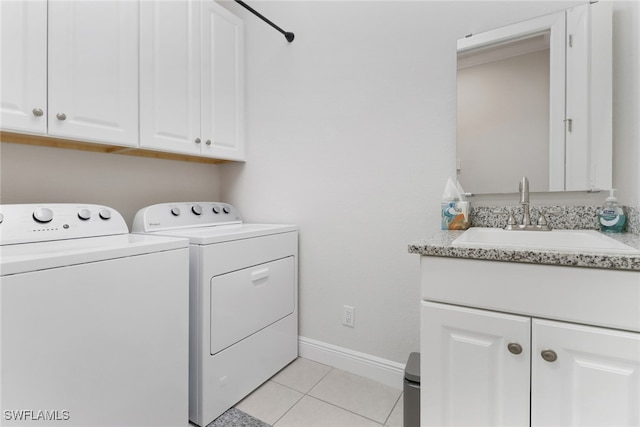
(94, 320)
(243, 322)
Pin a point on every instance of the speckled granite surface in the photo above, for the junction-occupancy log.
(568, 218)
(439, 243)
(236, 418)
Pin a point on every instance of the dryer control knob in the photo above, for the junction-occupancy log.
(216, 209)
(105, 214)
(175, 211)
(43, 215)
(196, 209)
(84, 214)
(226, 210)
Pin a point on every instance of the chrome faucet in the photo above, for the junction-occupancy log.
(542, 223)
(524, 202)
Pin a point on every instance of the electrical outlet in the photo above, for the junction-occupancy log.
(348, 316)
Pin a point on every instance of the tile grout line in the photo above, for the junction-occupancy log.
(386, 421)
(303, 394)
(344, 409)
(292, 406)
(330, 403)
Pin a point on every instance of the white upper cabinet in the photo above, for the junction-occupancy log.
(222, 83)
(191, 79)
(23, 53)
(170, 75)
(93, 71)
(161, 75)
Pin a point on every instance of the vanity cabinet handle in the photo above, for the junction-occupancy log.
(208, 142)
(61, 116)
(37, 112)
(514, 348)
(549, 355)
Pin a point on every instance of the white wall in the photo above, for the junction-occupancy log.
(351, 133)
(30, 174)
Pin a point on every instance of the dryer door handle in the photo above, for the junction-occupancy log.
(259, 275)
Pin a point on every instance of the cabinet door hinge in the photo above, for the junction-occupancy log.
(569, 123)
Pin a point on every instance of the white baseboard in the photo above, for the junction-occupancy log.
(368, 366)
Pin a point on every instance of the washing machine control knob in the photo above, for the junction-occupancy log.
(226, 210)
(196, 209)
(84, 214)
(105, 214)
(175, 211)
(43, 215)
(216, 209)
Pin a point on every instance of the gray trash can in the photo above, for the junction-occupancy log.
(411, 390)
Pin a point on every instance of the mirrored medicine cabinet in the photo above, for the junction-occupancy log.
(535, 100)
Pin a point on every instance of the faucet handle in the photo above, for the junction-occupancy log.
(542, 219)
(511, 221)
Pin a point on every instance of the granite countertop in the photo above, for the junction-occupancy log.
(439, 244)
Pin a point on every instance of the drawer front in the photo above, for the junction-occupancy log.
(592, 296)
(248, 300)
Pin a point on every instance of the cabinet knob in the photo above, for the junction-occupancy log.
(549, 355)
(208, 142)
(514, 348)
(61, 116)
(197, 140)
(37, 112)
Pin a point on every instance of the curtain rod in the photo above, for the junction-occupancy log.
(289, 36)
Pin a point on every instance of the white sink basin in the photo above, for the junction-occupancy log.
(581, 241)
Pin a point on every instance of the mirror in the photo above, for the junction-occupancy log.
(534, 99)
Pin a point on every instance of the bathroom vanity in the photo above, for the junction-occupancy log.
(528, 337)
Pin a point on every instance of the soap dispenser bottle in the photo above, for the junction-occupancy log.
(611, 216)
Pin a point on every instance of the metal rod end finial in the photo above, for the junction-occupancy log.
(289, 36)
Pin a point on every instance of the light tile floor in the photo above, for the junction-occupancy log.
(310, 394)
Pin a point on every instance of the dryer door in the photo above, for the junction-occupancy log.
(247, 300)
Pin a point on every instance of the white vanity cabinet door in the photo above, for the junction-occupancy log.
(222, 83)
(23, 55)
(170, 76)
(468, 374)
(93, 71)
(594, 381)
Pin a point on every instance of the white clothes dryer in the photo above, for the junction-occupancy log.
(243, 318)
(94, 320)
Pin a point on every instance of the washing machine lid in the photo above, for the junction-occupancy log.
(26, 257)
(226, 233)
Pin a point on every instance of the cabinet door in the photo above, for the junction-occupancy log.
(595, 379)
(222, 83)
(469, 376)
(170, 75)
(23, 57)
(93, 71)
